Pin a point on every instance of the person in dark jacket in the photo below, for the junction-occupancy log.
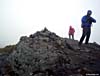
(87, 21)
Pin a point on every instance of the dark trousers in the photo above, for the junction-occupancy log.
(86, 33)
(72, 36)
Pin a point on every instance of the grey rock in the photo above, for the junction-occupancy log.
(44, 54)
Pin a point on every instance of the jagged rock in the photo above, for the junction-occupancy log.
(4, 64)
(44, 54)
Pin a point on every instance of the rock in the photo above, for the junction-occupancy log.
(45, 53)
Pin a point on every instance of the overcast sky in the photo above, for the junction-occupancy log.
(24, 17)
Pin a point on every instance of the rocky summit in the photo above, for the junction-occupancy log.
(46, 54)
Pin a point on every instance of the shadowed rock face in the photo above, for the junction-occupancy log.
(45, 54)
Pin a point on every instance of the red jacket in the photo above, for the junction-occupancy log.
(71, 30)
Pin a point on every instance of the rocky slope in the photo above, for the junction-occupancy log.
(46, 54)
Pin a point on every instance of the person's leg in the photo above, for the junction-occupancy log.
(88, 36)
(83, 36)
(73, 36)
(69, 36)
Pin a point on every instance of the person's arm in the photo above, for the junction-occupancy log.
(84, 20)
(73, 29)
(93, 20)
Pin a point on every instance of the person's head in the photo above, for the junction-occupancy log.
(70, 26)
(89, 12)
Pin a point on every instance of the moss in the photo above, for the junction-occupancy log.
(7, 49)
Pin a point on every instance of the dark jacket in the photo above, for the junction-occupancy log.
(87, 21)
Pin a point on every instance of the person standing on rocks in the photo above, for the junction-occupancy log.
(86, 26)
(71, 32)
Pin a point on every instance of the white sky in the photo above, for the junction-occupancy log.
(24, 17)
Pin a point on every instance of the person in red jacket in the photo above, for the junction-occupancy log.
(71, 32)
